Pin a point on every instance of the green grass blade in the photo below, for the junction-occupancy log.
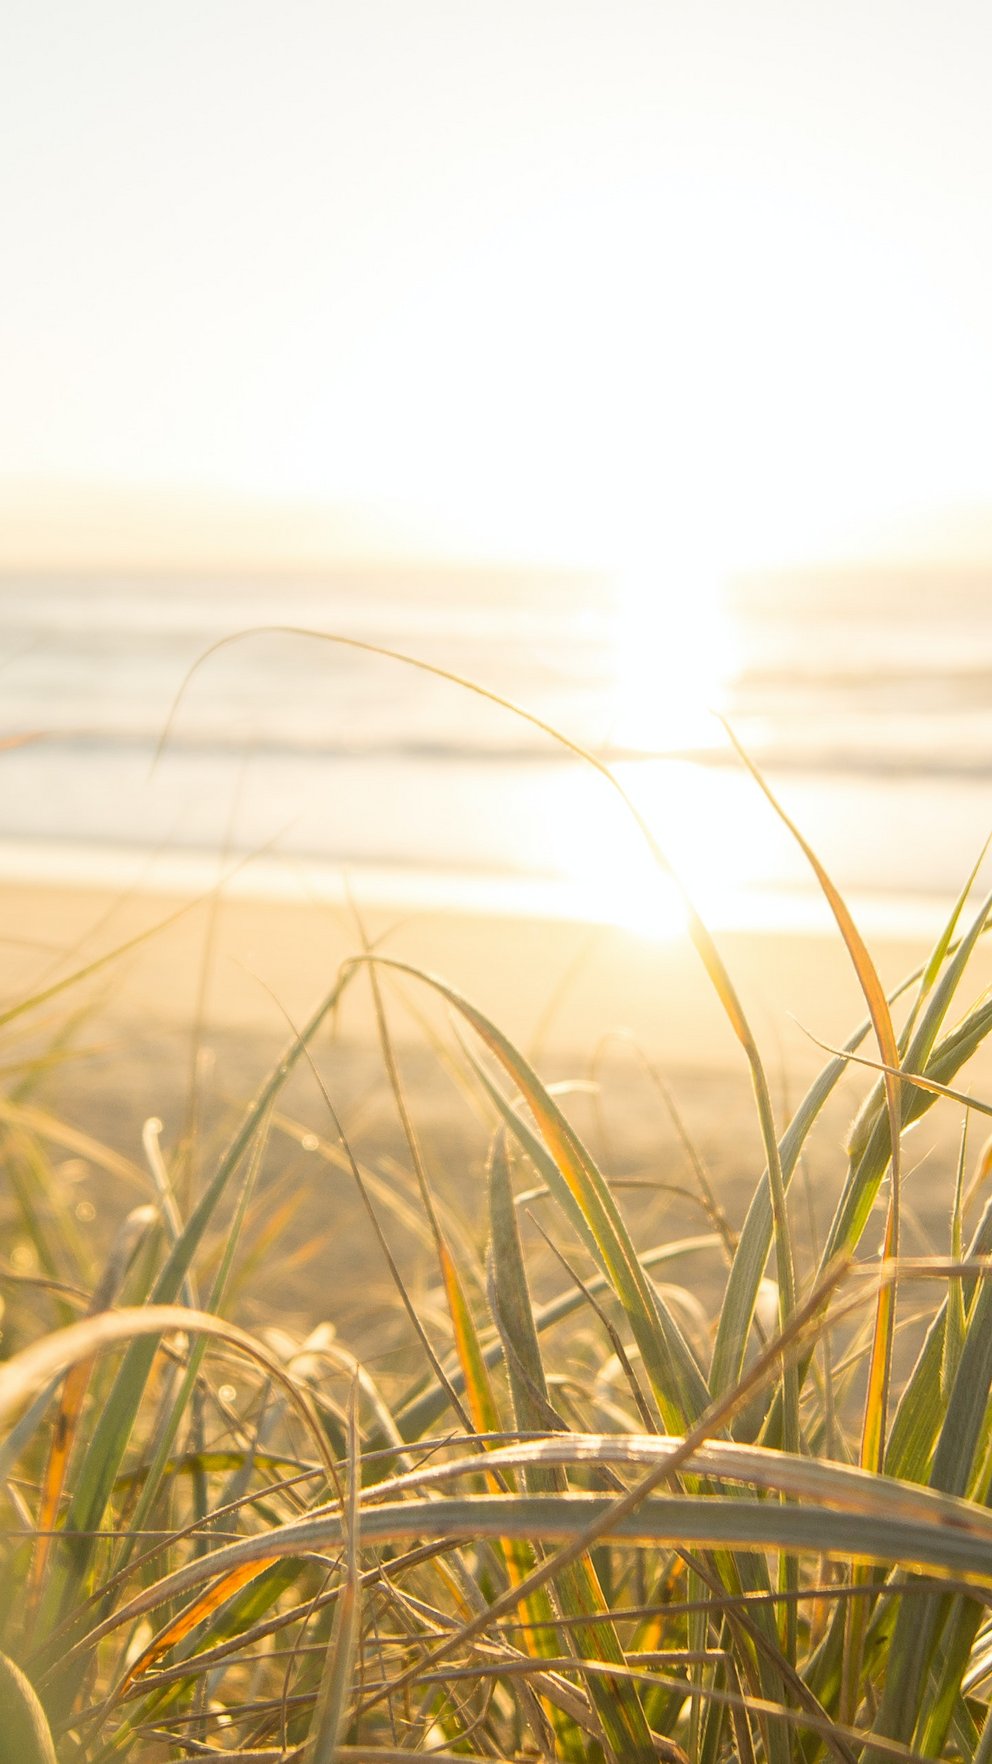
(335, 1687)
(922, 1406)
(704, 1521)
(755, 1242)
(25, 1736)
(918, 1626)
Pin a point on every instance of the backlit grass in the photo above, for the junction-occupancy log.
(624, 1540)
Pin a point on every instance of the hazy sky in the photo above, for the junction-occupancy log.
(539, 278)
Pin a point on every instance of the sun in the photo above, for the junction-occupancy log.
(671, 654)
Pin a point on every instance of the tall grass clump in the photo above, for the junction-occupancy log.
(754, 1542)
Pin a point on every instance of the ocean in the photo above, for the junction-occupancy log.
(864, 698)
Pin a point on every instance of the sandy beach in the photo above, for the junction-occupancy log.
(202, 1003)
(244, 964)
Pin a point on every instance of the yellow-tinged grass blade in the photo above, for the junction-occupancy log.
(737, 1310)
(151, 1481)
(925, 1072)
(578, 1588)
(417, 1415)
(63, 1435)
(80, 1343)
(868, 1532)
(45, 1126)
(954, 1333)
(876, 1403)
(216, 1594)
(677, 1383)
(923, 1054)
(478, 1390)
(54, 1354)
(923, 1405)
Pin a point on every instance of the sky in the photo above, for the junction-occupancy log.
(552, 281)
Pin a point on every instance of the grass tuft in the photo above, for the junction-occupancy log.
(741, 1542)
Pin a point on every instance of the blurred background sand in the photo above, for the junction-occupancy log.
(186, 1025)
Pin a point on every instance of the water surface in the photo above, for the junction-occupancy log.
(866, 700)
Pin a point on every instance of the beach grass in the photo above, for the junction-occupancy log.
(561, 1513)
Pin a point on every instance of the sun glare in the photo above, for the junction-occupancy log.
(614, 879)
(673, 653)
(702, 818)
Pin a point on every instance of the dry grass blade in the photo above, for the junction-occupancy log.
(614, 1515)
(21, 1376)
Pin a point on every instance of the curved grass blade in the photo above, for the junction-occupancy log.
(603, 1519)
(105, 961)
(690, 1521)
(925, 1057)
(169, 1428)
(81, 1342)
(53, 1354)
(868, 1165)
(25, 1736)
(917, 1080)
(677, 1384)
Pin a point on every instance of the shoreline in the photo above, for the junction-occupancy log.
(291, 879)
